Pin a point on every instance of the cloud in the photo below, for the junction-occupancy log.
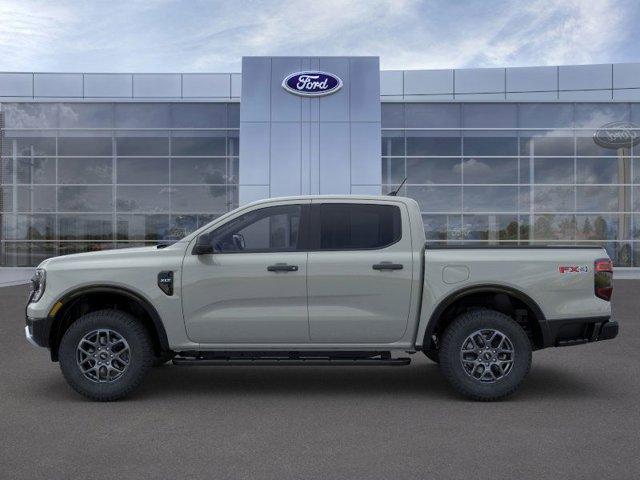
(170, 36)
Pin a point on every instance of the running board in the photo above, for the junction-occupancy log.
(309, 361)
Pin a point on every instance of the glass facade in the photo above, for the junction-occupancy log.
(90, 176)
(516, 173)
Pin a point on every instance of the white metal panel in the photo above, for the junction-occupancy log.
(585, 77)
(532, 79)
(57, 85)
(586, 95)
(479, 80)
(365, 153)
(427, 82)
(391, 82)
(16, 84)
(626, 75)
(108, 85)
(157, 85)
(206, 85)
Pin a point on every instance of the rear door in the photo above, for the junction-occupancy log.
(359, 272)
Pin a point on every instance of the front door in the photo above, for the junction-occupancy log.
(252, 289)
(360, 272)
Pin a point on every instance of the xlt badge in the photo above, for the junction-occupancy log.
(165, 282)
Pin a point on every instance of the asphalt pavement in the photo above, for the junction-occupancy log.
(576, 417)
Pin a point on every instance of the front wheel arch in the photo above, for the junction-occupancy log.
(88, 299)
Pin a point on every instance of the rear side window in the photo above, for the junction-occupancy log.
(345, 226)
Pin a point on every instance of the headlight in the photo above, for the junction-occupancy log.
(38, 284)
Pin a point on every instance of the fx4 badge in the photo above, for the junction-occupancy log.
(573, 269)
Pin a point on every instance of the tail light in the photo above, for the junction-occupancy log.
(603, 278)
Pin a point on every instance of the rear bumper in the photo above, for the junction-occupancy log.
(577, 331)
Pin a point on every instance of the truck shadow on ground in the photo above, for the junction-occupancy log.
(422, 381)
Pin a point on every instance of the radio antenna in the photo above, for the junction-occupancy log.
(395, 192)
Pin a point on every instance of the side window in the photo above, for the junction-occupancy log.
(271, 229)
(345, 226)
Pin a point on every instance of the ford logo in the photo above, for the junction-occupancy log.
(616, 135)
(312, 84)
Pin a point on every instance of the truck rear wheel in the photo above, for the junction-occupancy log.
(485, 355)
(104, 355)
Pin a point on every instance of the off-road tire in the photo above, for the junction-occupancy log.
(450, 354)
(163, 359)
(433, 355)
(140, 359)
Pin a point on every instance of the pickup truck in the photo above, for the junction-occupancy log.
(319, 280)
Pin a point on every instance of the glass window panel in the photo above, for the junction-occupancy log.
(36, 170)
(524, 199)
(603, 199)
(142, 170)
(36, 199)
(29, 146)
(602, 170)
(31, 227)
(26, 254)
(602, 227)
(553, 170)
(83, 115)
(490, 227)
(146, 146)
(437, 199)
(545, 115)
(442, 227)
(199, 170)
(393, 170)
(427, 144)
(90, 146)
(554, 227)
(488, 115)
(525, 229)
(233, 112)
(213, 144)
(585, 145)
(85, 170)
(489, 145)
(542, 144)
(598, 114)
(182, 225)
(203, 199)
(392, 143)
(525, 173)
(6, 199)
(621, 253)
(636, 170)
(142, 115)
(233, 170)
(490, 170)
(199, 115)
(432, 115)
(30, 115)
(233, 143)
(490, 199)
(433, 170)
(392, 115)
(6, 170)
(143, 199)
(554, 199)
(143, 227)
(85, 227)
(85, 199)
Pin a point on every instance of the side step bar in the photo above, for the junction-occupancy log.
(310, 360)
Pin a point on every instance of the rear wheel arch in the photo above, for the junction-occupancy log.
(87, 299)
(507, 300)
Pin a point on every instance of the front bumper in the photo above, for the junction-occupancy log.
(578, 331)
(37, 331)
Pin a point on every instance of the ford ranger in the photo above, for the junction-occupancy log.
(322, 280)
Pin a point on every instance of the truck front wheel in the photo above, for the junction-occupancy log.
(104, 355)
(485, 355)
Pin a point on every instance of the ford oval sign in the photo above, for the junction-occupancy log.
(312, 84)
(617, 135)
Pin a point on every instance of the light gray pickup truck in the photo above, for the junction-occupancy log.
(327, 280)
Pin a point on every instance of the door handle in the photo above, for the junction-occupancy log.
(282, 267)
(387, 266)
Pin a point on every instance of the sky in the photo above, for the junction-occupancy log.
(212, 36)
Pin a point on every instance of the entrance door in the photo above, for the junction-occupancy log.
(253, 288)
(359, 272)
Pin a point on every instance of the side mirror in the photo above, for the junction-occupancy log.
(203, 246)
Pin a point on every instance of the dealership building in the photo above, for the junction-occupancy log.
(527, 155)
